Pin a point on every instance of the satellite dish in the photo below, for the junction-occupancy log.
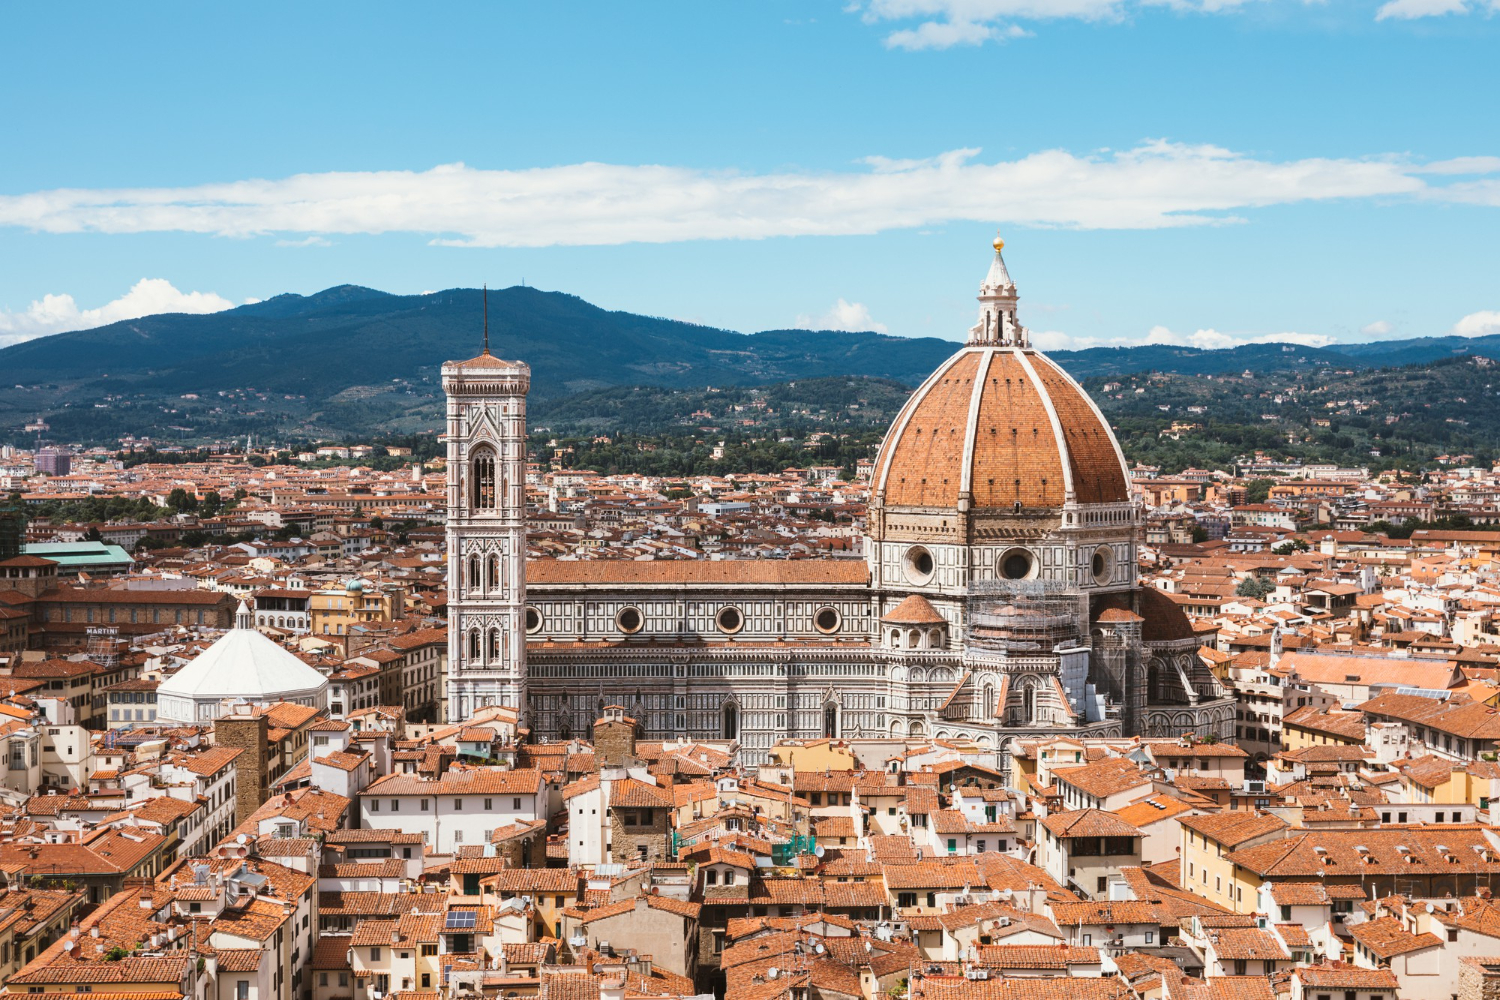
(818, 851)
(1429, 907)
(772, 972)
(820, 949)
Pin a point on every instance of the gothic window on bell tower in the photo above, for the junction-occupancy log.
(474, 646)
(494, 645)
(494, 581)
(482, 479)
(474, 583)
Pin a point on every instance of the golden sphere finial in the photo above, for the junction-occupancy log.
(999, 244)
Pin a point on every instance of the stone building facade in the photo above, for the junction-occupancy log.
(250, 734)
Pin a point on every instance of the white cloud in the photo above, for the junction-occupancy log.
(1212, 339)
(941, 24)
(1208, 340)
(1463, 164)
(311, 241)
(1479, 324)
(946, 34)
(940, 35)
(1379, 328)
(1407, 10)
(1157, 184)
(60, 313)
(1056, 340)
(851, 316)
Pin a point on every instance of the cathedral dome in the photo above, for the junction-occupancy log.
(241, 666)
(999, 425)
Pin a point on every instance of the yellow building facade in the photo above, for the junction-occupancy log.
(1205, 868)
(336, 610)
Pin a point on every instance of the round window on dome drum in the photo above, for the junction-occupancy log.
(919, 564)
(629, 620)
(826, 620)
(1104, 564)
(730, 620)
(533, 620)
(1017, 564)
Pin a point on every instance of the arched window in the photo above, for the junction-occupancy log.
(474, 583)
(731, 727)
(830, 721)
(494, 644)
(1028, 701)
(493, 583)
(474, 643)
(482, 479)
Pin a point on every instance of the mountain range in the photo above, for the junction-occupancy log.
(353, 360)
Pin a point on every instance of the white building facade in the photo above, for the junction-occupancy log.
(460, 809)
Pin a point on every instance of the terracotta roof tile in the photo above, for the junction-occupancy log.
(914, 610)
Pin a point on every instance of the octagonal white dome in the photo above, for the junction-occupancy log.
(241, 665)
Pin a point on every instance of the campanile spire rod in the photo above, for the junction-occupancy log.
(486, 318)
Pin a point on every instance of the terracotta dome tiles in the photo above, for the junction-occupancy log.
(1016, 456)
(915, 610)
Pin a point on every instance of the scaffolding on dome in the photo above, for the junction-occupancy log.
(1023, 616)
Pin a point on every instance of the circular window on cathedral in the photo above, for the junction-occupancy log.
(1104, 565)
(827, 620)
(629, 620)
(729, 620)
(533, 620)
(919, 565)
(1018, 564)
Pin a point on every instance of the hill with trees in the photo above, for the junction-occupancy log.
(352, 363)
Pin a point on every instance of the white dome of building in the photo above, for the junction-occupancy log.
(241, 666)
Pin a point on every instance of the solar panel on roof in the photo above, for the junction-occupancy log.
(460, 920)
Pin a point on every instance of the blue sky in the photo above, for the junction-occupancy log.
(1195, 171)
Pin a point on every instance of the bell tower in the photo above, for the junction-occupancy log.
(486, 531)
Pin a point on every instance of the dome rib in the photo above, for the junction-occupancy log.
(971, 429)
(1069, 487)
(1097, 465)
